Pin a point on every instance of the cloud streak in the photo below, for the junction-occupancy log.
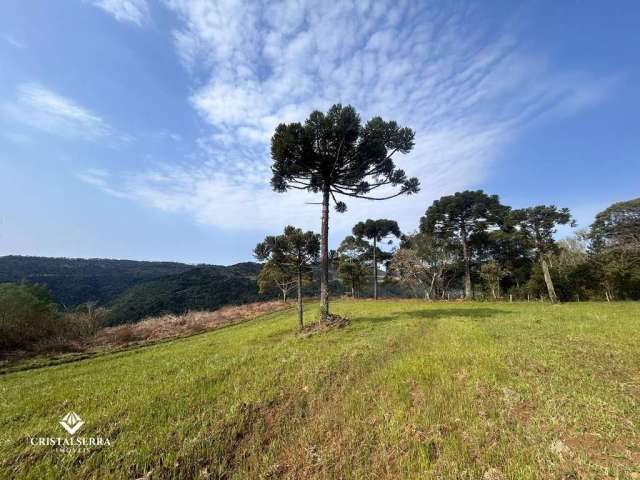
(43, 109)
(13, 41)
(465, 88)
(127, 11)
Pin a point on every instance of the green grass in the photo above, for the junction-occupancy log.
(407, 390)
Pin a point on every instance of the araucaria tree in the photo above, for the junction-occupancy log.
(460, 218)
(537, 226)
(335, 155)
(376, 231)
(293, 252)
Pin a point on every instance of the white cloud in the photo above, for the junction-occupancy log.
(40, 108)
(100, 178)
(13, 41)
(466, 90)
(132, 11)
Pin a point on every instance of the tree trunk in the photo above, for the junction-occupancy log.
(433, 281)
(300, 319)
(375, 270)
(324, 256)
(468, 293)
(547, 279)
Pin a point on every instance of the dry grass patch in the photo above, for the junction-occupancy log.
(152, 330)
(170, 325)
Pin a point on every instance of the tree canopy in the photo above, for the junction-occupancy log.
(618, 226)
(376, 229)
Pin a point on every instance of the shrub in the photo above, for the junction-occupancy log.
(27, 315)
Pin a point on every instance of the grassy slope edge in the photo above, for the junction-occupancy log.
(450, 391)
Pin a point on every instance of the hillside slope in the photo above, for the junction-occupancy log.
(73, 281)
(134, 290)
(201, 288)
(407, 390)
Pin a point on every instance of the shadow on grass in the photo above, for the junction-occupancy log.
(436, 313)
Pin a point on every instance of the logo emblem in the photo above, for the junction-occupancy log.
(71, 422)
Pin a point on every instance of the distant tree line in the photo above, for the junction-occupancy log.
(470, 242)
(471, 246)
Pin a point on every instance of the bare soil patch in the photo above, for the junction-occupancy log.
(332, 322)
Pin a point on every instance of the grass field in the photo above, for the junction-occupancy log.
(407, 390)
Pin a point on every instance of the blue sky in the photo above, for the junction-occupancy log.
(140, 128)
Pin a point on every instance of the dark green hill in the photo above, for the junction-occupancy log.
(201, 288)
(134, 290)
(73, 281)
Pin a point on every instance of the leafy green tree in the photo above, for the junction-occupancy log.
(618, 226)
(350, 259)
(271, 274)
(615, 248)
(460, 218)
(294, 251)
(376, 231)
(335, 155)
(537, 226)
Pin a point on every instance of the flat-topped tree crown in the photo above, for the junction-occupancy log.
(470, 211)
(538, 224)
(376, 229)
(334, 151)
(334, 154)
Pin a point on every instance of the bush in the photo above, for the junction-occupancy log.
(84, 321)
(30, 320)
(27, 315)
